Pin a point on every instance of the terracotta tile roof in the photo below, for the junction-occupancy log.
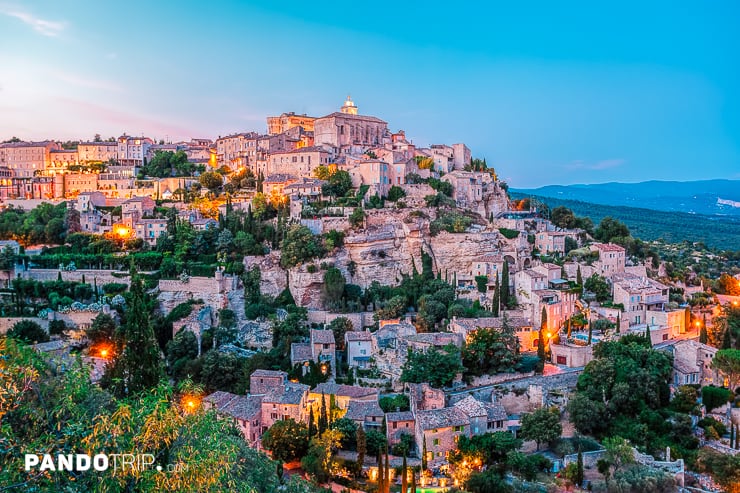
(269, 373)
(300, 352)
(290, 393)
(608, 247)
(442, 418)
(399, 416)
(359, 410)
(351, 391)
(357, 335)
(322, 336)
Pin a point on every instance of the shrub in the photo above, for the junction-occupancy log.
(509, 234)
(29, 332)
(57, 327)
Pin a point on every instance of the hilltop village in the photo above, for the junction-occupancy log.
(372, 313)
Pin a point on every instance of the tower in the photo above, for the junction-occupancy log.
(349, 107)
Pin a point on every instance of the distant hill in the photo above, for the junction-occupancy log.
(721, 232)
(710, 197)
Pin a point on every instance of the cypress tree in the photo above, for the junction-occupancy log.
(579, 468)
(311, 423)
(737, 437)
(703, 335)
(404, 479)
(732, 435)
(727, 339)
(568, 334)
(138, 363)
(361, 448)
(323, 420)
(332, 406)
(387, 483)
(579, 278)
(619, 322)
(496, 301)
(647, 335)
(504, 296)
(590, 332)
(413, 480)
(424, 454)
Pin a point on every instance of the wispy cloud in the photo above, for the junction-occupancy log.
(88, 83)
(41, 26)
(597, 166)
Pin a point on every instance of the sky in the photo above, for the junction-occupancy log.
(548, 92)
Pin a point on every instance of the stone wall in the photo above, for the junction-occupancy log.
(359, 320)
(195, 285)
(91, 275)
(7, 322)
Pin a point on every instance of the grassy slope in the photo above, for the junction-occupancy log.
(647, 224)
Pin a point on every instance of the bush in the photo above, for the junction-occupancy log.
(713, 397)
(57, 327)
(114, 288)
(712, 426)
(450, 221)
(28, 331)
(509, 234)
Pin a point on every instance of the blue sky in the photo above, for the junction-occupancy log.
(547, 92)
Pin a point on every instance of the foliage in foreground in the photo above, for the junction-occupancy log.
(43, 409)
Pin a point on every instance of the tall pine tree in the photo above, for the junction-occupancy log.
(323, 420)
(496, 302)
(361, 447)
(137, 365)
(541, 342)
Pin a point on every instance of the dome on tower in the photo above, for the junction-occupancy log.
(349, 107)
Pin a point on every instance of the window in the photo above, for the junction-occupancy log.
(435, 441)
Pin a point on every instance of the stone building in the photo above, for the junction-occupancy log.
(94, 152)
(298, 162)
(237, 150)
(611, 258)
(133, 150)
(347, 128)
(692, 363)
(25, 159)
(286, 121)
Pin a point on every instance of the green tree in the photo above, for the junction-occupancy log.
(211, 180)
(348, 429)
(181, 350)
(338, 184)
(618, 452)
(395, 193)
(375, 442)
(439, 367)
(333, 287)
(489, 481)
(542, 425)
(340, 326)
(28, 331)
(286, 440)
(727, 362)
(101, 330)
(599, 287)
(357, 218)
(361, 447)
(8, 260)
(137, 363)
(393, 308)
(713, 397)
(490, 351)
(318, 460)
(506, 299)
(481, 283)
(299, 245)
(610, 229)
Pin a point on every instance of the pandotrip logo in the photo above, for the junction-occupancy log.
(117, 463)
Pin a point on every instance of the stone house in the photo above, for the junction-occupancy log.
(343, 394)
(692, 363)
(437, 432)
(320, 349)
(287, 401)
(523, 328)
(398, 424)
(423, 396)
(367, 414)
(611, 258)
(485, 417)
(359, 348)
(299, 162)
(150, 230)
(245, 411)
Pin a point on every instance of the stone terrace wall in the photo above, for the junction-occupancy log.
(195, 285)
(7, 322)
(102, 276)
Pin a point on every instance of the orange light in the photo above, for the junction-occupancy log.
(104, 353)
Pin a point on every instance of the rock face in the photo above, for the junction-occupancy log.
(389, 247)
(274, 278)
